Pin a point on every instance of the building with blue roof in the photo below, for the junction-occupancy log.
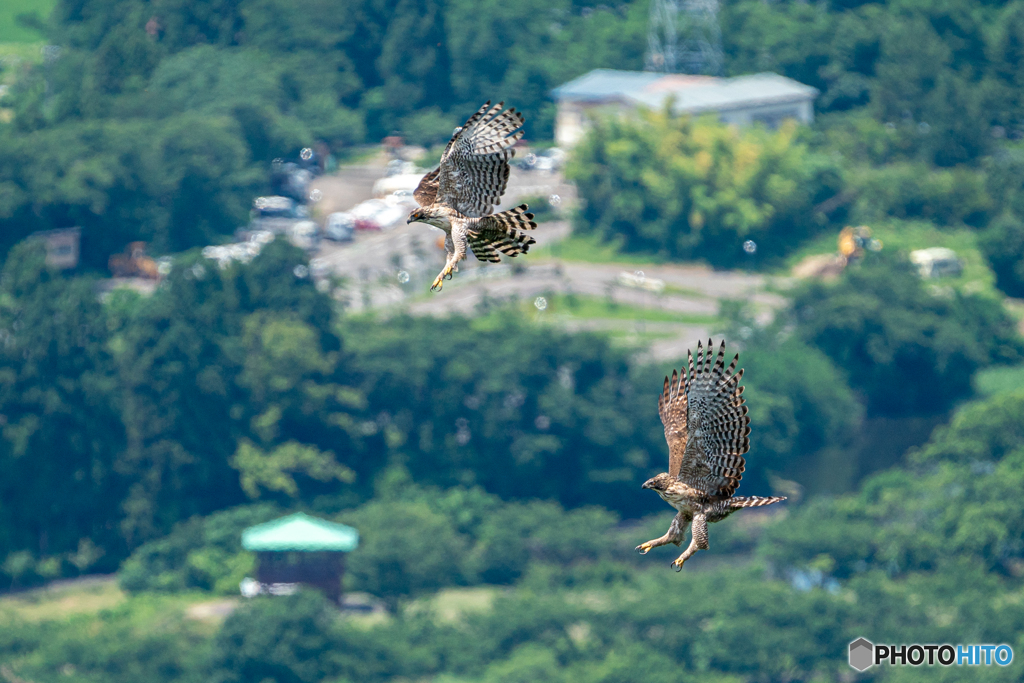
(767, 98)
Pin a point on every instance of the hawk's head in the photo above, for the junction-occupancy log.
(660, 482)
(425, 215)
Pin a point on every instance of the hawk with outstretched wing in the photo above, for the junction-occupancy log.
(460, 193)
(706, 426)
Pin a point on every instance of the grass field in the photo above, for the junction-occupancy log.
(591, 249)
(10, 30)
(565, 307)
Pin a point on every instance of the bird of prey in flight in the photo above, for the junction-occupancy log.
(460, 193)
(706, 426)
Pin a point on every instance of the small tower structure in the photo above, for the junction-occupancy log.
(684, 36)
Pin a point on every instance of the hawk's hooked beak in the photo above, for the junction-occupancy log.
(646, 484)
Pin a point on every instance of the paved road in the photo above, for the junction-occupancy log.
(373, 265)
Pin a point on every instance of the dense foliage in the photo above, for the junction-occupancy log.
(909, 348)
(894, 561)
(243, 383)
(697, 189)
(150, 103)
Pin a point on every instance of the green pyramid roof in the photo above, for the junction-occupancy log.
(300, 532)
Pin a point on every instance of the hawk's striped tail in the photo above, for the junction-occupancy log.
(754, 501)
(501, 232)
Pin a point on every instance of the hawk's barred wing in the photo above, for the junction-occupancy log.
(474, 167)
(672, 408)
(717, 425)
(425, 193)
(501, 232)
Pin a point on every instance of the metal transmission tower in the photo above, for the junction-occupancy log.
(684, 35)
(661, 36)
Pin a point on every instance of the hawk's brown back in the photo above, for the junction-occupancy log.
(425, 193)
(672, 408)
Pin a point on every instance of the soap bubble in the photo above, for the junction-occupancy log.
(301, 271)
(554, 200)
(403, 276)
(306, 154)
(750, 246)
(315, 196)
(639, 274)
(541, 303)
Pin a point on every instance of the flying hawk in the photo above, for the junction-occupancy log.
(460, 193)
(706, 426)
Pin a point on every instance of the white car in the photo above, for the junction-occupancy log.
(340, 226)
(376, 214)
(304, 235)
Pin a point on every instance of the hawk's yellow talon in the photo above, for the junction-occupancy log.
(644, 548)
(438, 283)
(678, 564)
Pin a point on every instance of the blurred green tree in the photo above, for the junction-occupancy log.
(699, 189)
(911, 351)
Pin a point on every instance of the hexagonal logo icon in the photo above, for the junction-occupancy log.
(862, 654)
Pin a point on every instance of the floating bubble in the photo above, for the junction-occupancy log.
(198, 271)
(542, 422)
(462, 434)
(540, 303)
(306, 154)
(277, 163)
(531, 159)
(403, 276)
(875, 244)
(315, 196)
(750, 246)
(639, 274)
(745, 332)
(554, 200)
(301, 271)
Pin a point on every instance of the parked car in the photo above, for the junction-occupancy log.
(304, 235)
(340, 226)
(274, 206)
(405, 182)
(377, 214)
